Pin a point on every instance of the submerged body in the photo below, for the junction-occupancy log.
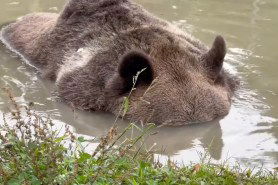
(94, 48)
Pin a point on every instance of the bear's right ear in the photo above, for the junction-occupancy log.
(214, 58)
(134, 69)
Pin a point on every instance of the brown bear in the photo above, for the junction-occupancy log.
(100, 51)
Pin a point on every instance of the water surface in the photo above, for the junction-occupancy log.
(248, 135)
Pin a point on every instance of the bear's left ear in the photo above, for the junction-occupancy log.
(214, 58)
(135, 68)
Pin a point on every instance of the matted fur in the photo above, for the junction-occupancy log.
(93, 48)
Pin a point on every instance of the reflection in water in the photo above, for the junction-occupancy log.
(169, 140)
(249, 134)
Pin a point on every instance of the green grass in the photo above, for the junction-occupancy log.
(33, 152)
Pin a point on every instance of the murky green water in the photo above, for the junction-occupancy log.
(248, 135)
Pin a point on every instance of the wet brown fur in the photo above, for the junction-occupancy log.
(95, 47)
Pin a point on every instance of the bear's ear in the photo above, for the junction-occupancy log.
(135, 68)
(214, 58)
